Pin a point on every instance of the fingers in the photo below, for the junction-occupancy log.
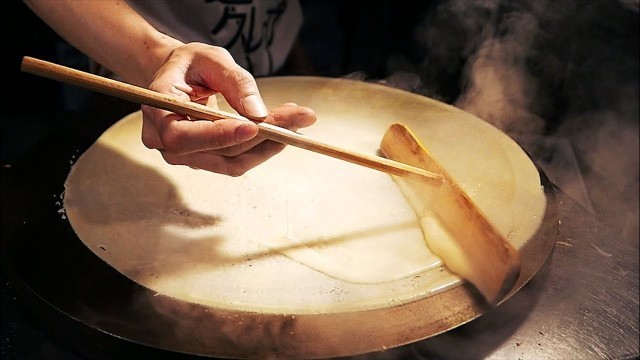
(292, 116)
(179, 135)
(196, 72)
(233, 166)
(225, 146)
(289, 115)
(236, 84)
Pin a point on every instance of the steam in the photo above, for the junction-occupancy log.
(493, 43)
(499, 88)
(566, 69)
(633, 5)
(609, 147)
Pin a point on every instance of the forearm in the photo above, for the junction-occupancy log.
(109, 32)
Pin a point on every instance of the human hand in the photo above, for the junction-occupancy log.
(196, 72)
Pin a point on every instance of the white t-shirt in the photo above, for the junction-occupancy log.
(258, 34)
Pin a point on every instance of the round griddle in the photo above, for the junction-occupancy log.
(68, 285)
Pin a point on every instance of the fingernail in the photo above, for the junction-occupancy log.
(254, 106)
(245, 132)
(184, 88)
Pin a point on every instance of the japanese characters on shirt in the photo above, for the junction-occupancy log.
(259, 34)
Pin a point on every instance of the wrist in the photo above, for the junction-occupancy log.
(154, 52)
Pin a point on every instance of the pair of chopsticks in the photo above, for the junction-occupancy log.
(153, 98)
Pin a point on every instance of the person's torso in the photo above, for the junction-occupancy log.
(259, 34)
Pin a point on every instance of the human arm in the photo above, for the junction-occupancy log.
(111, 33)
(116, 36)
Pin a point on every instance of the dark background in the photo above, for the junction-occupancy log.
(583, 60)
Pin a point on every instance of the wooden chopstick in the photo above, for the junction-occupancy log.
(153, 98)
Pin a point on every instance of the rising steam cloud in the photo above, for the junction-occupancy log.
(565, 68)
(499, 87)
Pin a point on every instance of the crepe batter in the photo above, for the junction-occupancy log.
(302, 233)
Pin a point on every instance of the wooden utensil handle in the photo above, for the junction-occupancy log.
(153, 98)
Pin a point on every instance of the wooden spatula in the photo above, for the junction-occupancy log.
(478, 252)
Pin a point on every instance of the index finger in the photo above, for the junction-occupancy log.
(179, 135)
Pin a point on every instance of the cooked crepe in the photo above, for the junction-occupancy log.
(302, 233)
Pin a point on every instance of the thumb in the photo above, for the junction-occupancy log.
(240, 90)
